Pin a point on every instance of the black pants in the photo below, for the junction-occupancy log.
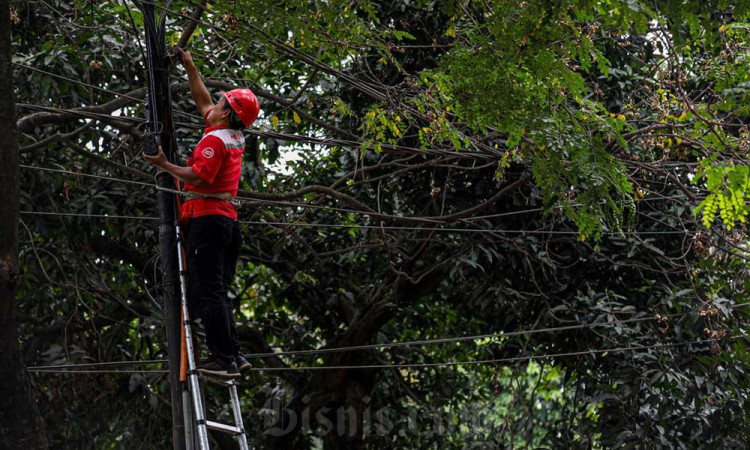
(213, 246)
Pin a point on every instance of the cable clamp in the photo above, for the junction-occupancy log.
(160, 172)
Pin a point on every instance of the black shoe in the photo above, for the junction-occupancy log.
(243, 364)
(219, 367)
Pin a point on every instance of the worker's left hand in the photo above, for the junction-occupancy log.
(185, 56)
(158, 160)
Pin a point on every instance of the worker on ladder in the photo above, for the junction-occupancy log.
(213, 237)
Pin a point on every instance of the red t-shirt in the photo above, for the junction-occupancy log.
(217, 160)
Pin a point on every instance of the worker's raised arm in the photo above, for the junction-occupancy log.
(200, 94)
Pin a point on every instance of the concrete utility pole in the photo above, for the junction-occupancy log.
(161, 131)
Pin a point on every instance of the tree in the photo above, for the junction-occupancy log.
(489, 167)
(22, 426)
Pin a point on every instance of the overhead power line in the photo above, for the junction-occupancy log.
(494, 360)
(100, 364)
(101, 371)
(498, 335)
(326, 142)
(611, 234)
(79, 112)
(309, 206)
(94, 115)
(591, 352)
(267, 202)
(86, 175)
(431, 220)
(88, 216)
(456, 230)
(79, 82)
(98, 88)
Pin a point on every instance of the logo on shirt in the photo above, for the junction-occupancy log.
(208, 152)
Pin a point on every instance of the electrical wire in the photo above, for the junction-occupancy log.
(358, 226)
(174, 191)
(135, 29)
(99, 364)
(265, 134)
(153, 260)
(612, 234)
(94, 115)
(86, 175)
(388, 227)
(98, 88)
(458, 230)
(78, 112)
(410, 343)
(434, 220)
(477, 337)
(142, 183)
(494, 360)
(88, 216)
(279, 136)
(183, 16)
(590, 352)
(102, 371)
(79, 82)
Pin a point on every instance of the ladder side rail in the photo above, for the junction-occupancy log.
(198, 411)
(235, 400)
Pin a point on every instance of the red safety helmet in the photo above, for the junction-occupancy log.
(244, 103)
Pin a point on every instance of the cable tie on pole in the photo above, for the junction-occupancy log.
(159, 173)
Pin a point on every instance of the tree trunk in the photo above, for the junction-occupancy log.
(21, 426)
(335, 400)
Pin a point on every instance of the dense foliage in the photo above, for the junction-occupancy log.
(489, 166)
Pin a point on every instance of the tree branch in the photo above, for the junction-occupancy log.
(187, 33)
(55, 138)
(387, 217)
(27, 123)
(99, 159)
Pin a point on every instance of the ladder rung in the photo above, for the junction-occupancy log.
(223, 428)
(217, 380)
